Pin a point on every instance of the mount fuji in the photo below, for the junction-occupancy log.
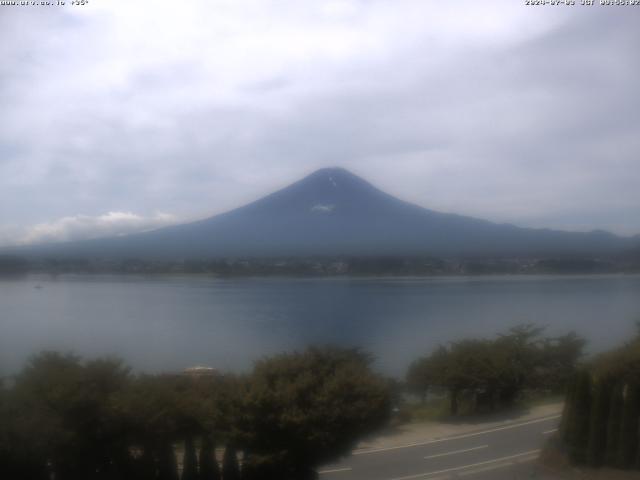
(334, 212)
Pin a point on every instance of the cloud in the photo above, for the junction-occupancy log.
(81, 227)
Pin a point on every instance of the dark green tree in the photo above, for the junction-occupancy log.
(63, 412)
(167, 465)
(190, 460)
(209, 469)
(425, 373)
(431, 373)
(557, 361)
(265, 467)
(520, 351)
(578, 429)
(305, 409)
(445, 368)
(596, 447)
(230, 468)
(21, 456)
(493, 373)
(162, 410)
(628, 443)
(568, 411)
(144, 465)
(614, 424)
(473, 369)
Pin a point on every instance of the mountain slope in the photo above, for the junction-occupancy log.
(333, 212)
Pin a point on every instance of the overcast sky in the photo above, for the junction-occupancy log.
(119, 116)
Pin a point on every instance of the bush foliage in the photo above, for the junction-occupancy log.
(69, 419)
(493, 373)
(601, 422)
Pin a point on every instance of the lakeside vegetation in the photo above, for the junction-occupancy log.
(485, 375)
(94, 419)
(74, 419)
(327, 266)
(601, 422)
(79, 420)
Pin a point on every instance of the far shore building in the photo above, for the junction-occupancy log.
(200, 371)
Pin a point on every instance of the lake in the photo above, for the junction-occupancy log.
(166, 323)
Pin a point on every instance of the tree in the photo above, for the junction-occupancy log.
(167, 465)
(20, 455)
(447, 368)
(209, 469)
(426, 372)
(495, 372)
(601, 421)
(558, 360)
(628, 444)
(520, 351)
(305, 409)
(614, 423)
(160, 411)
(471, 368)
(578, 428)
(230, 468)
(266, 467)
(567, 412)
(190, 460)
(596, 447)
(62, 410)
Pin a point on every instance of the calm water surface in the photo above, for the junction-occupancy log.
(168, 323)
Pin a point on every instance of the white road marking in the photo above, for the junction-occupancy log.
(335, 470)
(456, 451)
(550, 431)
(457, 437)
(465, 467)
(490, 468)
(527, 459)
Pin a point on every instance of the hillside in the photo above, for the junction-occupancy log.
(333, 212)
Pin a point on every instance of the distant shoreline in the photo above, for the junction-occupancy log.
(337, 266)
(158, 275)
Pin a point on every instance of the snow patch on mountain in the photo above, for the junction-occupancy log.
(322, 208)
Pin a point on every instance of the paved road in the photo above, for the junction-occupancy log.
(507, 451)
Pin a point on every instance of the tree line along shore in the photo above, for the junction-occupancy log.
(392, 265)
(601, 421)
(67, 418)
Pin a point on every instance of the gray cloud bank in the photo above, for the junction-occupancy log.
(492, 109)
(84, 227)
